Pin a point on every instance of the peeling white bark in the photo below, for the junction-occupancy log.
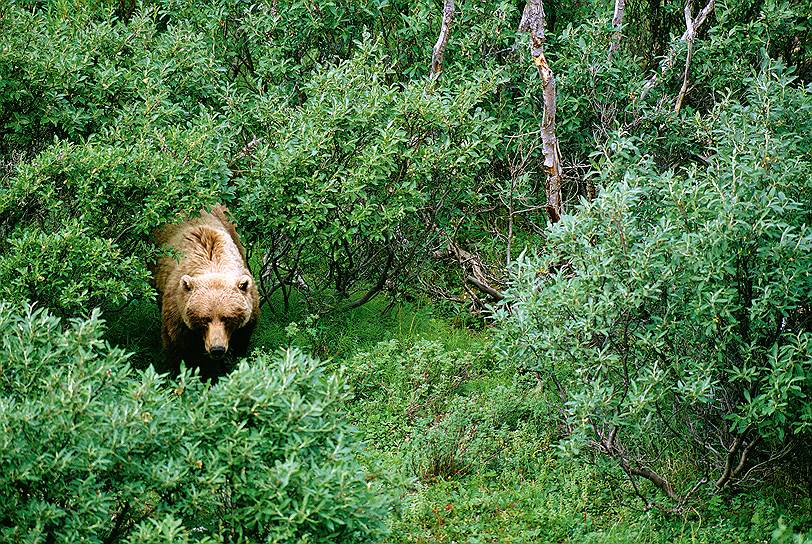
(533, 23)
(689, 37)
(617, 23)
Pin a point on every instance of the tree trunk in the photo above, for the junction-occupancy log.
(533, 23)
(439, 47)
(617, 23)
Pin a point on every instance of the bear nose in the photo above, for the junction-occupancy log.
(217, 351)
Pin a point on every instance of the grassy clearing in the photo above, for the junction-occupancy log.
(469, 452)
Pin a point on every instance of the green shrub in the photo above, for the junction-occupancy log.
(446, 412)
(672, 314)
(344, 189)
(397, 384)
(478, 432)
(109, 129)
(92, 450)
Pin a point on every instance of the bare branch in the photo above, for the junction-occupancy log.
(685, 498)
(375, 289)
(607, 443)
(473, 270)
(732, 452)
(533, 23)
(439, 47)
(485, 287)
(700, 19)
(668, 61)
(653, 477)
(771, 460)
(744, 457)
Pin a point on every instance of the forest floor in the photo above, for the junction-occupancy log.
(468, 447)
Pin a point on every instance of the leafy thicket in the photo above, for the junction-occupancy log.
(357, 178)
(349, 171)
(94, 451)
(672, 314)
(667, 316)
(108, 130)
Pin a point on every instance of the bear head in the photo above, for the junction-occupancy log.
(215, 305)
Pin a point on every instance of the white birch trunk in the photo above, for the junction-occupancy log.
(533, 22)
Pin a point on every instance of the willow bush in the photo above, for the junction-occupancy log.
(670, 318)
(670, 312)
(95, 451)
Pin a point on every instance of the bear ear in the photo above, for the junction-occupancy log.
(244, 282)
(186, 282)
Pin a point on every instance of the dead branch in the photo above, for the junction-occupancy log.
(668, 61)
(439, 47)
(246, 151)
(533, 23)
(469, 261)
(653, 477)
(379, 285)
(485, 288)
(473, 271)
(617, 23)
(744, 457)
(732, 453)
(685, 498)
(774, 458)
(607, 443)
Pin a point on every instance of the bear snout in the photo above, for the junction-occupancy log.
(217, 352)
(216, 339)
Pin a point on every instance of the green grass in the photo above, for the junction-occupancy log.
(341, 334)
(417, 377)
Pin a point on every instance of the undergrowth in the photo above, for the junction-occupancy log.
(469, 445)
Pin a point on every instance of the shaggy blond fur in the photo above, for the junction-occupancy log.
(209, 301)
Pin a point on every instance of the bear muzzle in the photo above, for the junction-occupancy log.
(216, 340)
(217, 352)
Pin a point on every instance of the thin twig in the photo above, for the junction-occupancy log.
(668, 61)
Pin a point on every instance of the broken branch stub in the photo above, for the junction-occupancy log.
(533, 23)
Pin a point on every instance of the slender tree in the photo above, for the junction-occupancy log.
(533, 23)
(442, 40)
(617, 24)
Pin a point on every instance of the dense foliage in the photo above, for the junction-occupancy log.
(652, 345)
(672, 314)
(93, 450)
(349, 172)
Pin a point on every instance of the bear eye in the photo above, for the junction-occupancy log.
(201, 321)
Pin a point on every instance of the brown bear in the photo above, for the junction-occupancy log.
(209, 301)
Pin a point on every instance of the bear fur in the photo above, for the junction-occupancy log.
(209, 300)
